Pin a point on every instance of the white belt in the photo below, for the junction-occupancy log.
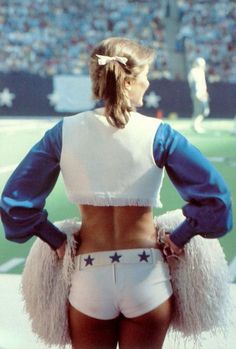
(138, 255)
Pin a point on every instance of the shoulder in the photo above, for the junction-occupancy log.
(81, 122)
(165, 141)
(77, 118)
(166, 137)
(145, 120)
(55, 131)
(52, 140)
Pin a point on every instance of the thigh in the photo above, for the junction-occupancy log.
(147, 331)
(90, 333)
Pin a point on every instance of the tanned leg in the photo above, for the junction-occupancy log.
(90, 333)
(147, 331)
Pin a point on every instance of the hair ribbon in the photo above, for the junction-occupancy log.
(103, 60)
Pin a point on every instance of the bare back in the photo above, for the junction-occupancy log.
(116, 227)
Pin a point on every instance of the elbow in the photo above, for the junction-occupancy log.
(15, 230)
(228, 215)
(224, 213)
(226, 221)
(223, 210)
(16, 235)
(13, 238)
(222, 231)
(219, 230)
(218, 221)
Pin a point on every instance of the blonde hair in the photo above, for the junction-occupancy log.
(108, 81)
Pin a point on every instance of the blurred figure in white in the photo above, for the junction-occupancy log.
(199, 94)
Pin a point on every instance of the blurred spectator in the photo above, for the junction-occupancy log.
(199, 94)
(56, 36)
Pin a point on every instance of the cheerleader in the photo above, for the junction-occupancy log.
(112, 160)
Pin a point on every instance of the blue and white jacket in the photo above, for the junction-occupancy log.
(102, 165)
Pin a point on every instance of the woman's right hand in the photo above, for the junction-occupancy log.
(61, 250)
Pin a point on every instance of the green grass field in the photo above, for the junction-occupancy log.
(17, 136)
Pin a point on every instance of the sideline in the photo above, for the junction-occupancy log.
(10, 264)
(23, 123)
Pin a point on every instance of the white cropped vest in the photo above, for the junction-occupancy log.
(105, 166)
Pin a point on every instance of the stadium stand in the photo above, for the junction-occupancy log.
(208, 29)
(55, 37)
(45, 40)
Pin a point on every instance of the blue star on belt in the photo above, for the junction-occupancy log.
(144, 256)
(88, 260)
(115, 258)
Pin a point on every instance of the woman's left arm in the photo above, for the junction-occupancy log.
(24, 196)
(208, 210)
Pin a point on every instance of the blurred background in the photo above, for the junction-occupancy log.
(44, 51)
(45, 47)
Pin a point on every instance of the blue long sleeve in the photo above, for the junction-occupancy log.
(23, 198)
(208, 210)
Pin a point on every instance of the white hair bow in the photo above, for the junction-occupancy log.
(103, 60)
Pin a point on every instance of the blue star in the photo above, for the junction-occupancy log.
(144, 257)
(88, 260)
(115, 258)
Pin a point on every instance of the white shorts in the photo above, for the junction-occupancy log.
(132, 282)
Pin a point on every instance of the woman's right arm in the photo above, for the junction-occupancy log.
(24, 196)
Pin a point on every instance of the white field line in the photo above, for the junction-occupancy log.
(12, 128)
(5, 169)
(216, 159)
(12, 263)
(26, 124)
(231, 161)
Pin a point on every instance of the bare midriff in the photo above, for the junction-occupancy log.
(115, 228)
